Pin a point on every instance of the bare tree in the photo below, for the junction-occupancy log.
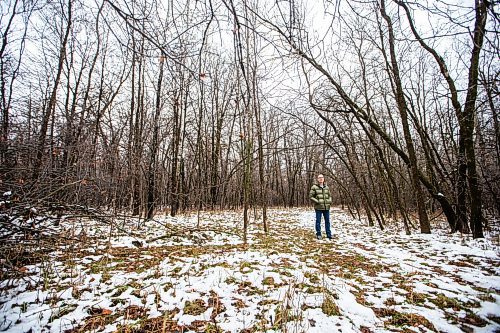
(11, 57)
(465, 115)
(403, 111)
(66, 19)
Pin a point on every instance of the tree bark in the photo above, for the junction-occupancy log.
(47, 113)
(403, 111)
(154, 146)
(466, 116)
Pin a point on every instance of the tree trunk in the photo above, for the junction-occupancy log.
(425, 226)
(174, 181)
(476, 215)
(154, 146)
(465, 117)
(47, 112)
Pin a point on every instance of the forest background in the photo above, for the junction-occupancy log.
(151, 105)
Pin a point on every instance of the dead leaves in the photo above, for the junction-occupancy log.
(238, 303)
(399, 319)
(99, 318)
(329, 307)
(134, 312)
(195, 307)
(287, 255)
(96, 311)
(215, 302)
(268, 281)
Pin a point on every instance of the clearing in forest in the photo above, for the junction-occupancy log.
(80, 274)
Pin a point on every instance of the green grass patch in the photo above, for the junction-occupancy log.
(444, 302)
(329, 307)
(120, 290)
(313, 278)
(268, 281)
(195, 307)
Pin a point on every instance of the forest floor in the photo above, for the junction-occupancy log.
(170, 275)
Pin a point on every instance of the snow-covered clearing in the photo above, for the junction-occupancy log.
(170, 276)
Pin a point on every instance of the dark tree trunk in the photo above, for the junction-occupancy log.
(425, 226)
(154, 146)
(48, 111)
(476, 215)
(174, 180)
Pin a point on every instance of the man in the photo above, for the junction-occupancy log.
(320, 195)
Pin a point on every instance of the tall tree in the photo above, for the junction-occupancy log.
(151, 201)
(12, 48)
(466, 115)
(66, 19)
(403, 112)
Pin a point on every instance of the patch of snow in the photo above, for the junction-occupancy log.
(165, 272)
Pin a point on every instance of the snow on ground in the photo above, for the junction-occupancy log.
(193, 273)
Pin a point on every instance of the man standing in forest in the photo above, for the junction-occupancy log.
(320, 195)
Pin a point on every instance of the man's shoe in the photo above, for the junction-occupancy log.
(318, 237)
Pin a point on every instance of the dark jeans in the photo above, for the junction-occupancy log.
(326, 215)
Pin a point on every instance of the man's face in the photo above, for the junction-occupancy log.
(321, 179)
